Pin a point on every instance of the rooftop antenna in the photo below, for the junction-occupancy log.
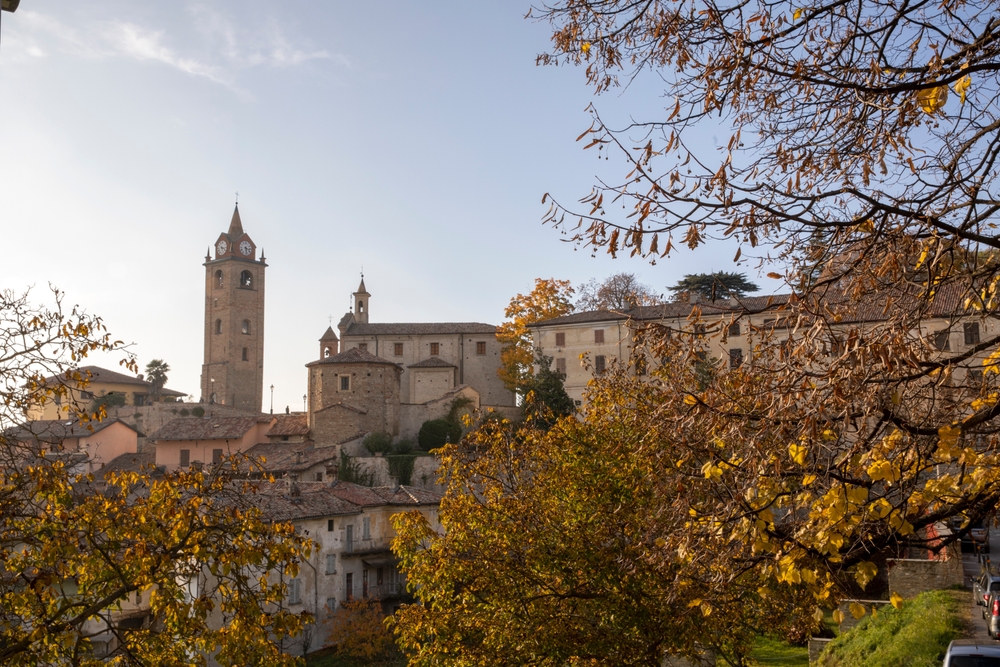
(237, 197)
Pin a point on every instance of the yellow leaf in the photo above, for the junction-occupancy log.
(962, 86)
(838, 616)
(865, 573)
(818, 615)
(798, 453)
(694, 603)
(808, 479)
(897, 600)
(690, 400)
(797, 15)
(585, 47)
(931, 100)
(857, 610)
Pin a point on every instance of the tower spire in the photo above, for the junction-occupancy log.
(236, 226)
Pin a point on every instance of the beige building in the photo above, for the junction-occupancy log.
(85, 447)
(96, 384)
(233, 370)
(434, 357)
(188, 441)
(585, 344)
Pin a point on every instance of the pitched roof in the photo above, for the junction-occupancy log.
(57, 430)
(134, 462)
(295, 501)
(355, 355)
(341, 404)
(432, 362)
(236, 225)
(282, 457)
(418, 328)
(672, 310)
(206, 428)
(294, 424)
(93, 374)
(329, 335)
(361, 287)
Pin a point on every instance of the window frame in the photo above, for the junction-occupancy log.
(185, 458)
(599, 336)
(435, 349)
(345, 380)
(560, 339)
(600, 364)
(481, 348)
(397, 349)
(970, 331)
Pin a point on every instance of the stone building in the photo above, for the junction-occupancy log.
(353, 392)
(434, 357)
(233, 369)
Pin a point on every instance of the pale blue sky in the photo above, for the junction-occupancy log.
(415, 138)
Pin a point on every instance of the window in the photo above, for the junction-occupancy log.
(185, 458)
(85, 395)
(326, 352)
(218, 278)
(329, 525)
(361, 307)
(599, 363)
(560, 340)
(363, 346)
(246, 354)
(216, 456)
(971, 333)
(735, 357)
(561, 366)
(294, 591)
(345, 383)
(331, 563)
(349, 586)
(349, 547)
(974, 377)
(378, 577)
(942, 341)
(397, 349)
(319, 477)
(480, 348)
(218, 326)
(435, 349)
(246, 327)
(331, 604)
(366, 528)
(364, 583)
(598, 335)
(246, 280)
(734, 329)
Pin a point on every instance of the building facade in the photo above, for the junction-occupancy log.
(233, 369)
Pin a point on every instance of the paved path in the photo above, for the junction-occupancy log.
(972, 570)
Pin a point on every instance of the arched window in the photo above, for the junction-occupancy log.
(246, 354)
(246, 279)
(361, 306)
(326, 352)
(218, 326)
(218, 278)
(246, 326)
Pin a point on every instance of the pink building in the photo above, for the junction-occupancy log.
(206, 440)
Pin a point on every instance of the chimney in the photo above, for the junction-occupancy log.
(140, 377)
(298, 456)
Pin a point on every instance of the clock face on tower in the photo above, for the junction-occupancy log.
(222, 247)
(245, 247)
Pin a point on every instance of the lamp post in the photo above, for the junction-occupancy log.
(272, 399)
(304, 402)
(211, 398)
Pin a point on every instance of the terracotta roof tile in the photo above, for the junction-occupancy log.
(206, 428)
(294, 424)
(57, 430)
(419, 328)
(432, 362)
(98, 374)
(135, 462)
(283, 457)
(295, 501)
(355, 355)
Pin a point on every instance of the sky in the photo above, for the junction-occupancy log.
(411, 140)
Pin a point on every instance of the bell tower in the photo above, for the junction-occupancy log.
(361, 303)
(233, 370)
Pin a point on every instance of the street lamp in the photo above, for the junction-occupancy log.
(211, 399)
(272, 399)
(303, 402)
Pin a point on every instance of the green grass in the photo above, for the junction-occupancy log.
(776, 653)
(915, 636)
(329, 658)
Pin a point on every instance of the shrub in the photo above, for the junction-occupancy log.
(436, 432)
(404, 446)
(198, 411)
(113, 400)
(184, 412)
(401, 467)
(350, 471)
(378, 443)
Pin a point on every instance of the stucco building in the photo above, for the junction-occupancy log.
(81, 388)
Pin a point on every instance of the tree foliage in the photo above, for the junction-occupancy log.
(435, 433)
(712, 286)
(358, 630)
(156, 375)
(586, 543)
(78, 549)
(550, 298)
(618, 292)
(545, 395)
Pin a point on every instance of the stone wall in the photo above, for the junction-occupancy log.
(816, 646)
(413, 415)
(425, 471)
(909, 576)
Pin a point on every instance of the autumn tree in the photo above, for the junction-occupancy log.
(545, 395)
(859, 164)
(713, 286)
(84, 553)
(358, 630)
(618, 292)
(156, 375)
(549, 299)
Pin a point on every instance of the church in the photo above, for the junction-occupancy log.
(372, 377)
